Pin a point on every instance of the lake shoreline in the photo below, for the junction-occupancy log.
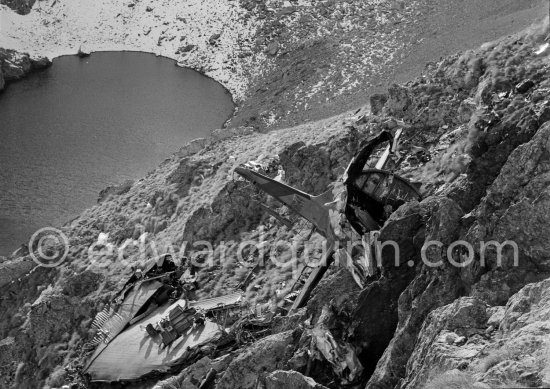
(164, 107)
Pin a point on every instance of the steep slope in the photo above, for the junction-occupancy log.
(478, 116)
(479, 318)
(476, 137)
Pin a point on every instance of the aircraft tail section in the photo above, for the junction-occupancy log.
(300, 202)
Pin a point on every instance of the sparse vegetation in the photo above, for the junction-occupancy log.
(453, 379)
(494, 358)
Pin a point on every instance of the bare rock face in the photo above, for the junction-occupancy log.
(114, 190)
(22, 7)
(198, 375)
(518, 198)
(438, 219)
(281, 379)
(519, 349)
(515, 210)
(256, 361)
(15, 65)
(452, 334)
(313, 167)
(531, 304)
(486, 347)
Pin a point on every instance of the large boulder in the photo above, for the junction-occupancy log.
(14, 65)
(254, 363)
(413, 293)
(22, 7)
(487, 347)
(450, 338)
(38, 63)
(516, 210)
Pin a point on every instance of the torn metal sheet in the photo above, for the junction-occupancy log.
(112, 320)
(134, 353)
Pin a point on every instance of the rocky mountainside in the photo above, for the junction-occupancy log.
(477, 137)
(14, 65)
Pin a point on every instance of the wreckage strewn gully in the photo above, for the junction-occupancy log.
(157, 299)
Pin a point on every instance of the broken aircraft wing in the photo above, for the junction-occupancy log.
(111, 321)
(134, 353)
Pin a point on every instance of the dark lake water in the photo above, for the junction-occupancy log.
(69, 131)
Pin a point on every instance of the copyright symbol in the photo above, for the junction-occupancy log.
(48, 247)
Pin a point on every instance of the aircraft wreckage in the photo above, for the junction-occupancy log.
(366, 198)
(148, 328)
(153, 325)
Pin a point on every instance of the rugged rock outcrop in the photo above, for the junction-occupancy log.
(114, 190)
(15, 65)
(22, 7)
(506, 201)
(490, 346)
(457, 331)
(252, 365)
